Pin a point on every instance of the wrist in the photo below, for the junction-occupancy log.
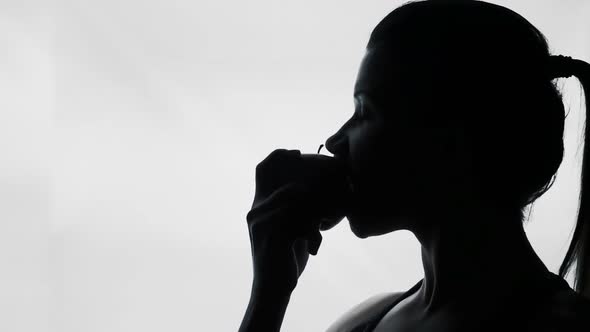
(270, 290)
(266, 309)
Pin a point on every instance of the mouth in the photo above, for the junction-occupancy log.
(347, 170)
(350, 183)
(350, 199)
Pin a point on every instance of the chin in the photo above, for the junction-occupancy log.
(366, 227)
(361, 228)
(359, 234)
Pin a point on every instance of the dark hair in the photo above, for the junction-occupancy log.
(494, 70)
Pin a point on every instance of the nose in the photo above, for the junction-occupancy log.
(337, 145)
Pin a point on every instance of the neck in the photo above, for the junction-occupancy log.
(477, 259)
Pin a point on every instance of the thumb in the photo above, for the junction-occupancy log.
(314, 241)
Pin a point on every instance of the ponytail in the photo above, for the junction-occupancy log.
(579, 249)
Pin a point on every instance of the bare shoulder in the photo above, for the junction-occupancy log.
(572, 309)
(567, 311)
(363, 312)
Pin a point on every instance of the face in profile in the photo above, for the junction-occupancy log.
(389, 157)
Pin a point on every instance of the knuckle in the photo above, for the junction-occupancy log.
(250, 216)
(277, 152)
(263, 164)
(255, 224)
(274, 215)
(275, 155)
(254, 227)
(259, 168)
(260, 214)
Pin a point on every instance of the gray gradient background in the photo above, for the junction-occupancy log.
(130, 131)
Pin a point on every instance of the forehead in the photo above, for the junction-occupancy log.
(386, 77)
(377, 70)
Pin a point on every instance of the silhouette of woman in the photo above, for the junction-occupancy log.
(458, 127)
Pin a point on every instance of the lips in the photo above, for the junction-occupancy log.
(350, 183)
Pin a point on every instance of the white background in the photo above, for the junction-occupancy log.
(130, 131)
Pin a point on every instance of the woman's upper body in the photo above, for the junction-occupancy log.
(458, 126)
(555, 308)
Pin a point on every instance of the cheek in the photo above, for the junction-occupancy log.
(381, 163)
(384, 176)
(367, 150)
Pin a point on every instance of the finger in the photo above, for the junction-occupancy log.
(275, 170)
(291, 194)
(300, 249)
(287, 222)
(279, 153)
(314, 242)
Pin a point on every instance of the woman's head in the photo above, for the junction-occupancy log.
(454, 108)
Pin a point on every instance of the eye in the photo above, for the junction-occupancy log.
(359, 111)
(359, 116)
(356, 117)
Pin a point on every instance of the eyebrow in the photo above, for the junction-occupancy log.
(360, 92)
(367, 94)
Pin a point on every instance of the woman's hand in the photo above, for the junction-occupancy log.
(284, 222)
(281, 238)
